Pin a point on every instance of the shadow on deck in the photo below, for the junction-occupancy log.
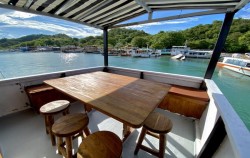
(23, 135)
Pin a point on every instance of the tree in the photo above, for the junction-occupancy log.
(245, 40)
(139, 42)
(167, 40)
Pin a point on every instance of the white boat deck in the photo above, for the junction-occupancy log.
(23, 135)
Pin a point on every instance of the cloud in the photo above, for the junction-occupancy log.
(23, 20)
(244, 12)
(178, 21)
(21, 15)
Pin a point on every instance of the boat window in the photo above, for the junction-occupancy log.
(236, 62)
(221, 59)
(242, 63)
(229, 61)
(248, 65)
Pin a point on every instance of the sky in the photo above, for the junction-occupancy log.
(14, 24)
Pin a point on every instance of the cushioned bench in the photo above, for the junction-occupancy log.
(190, 102)
(41, 94)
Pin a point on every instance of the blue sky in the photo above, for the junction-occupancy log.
(15, 24)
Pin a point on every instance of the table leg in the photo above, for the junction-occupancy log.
(127, 130)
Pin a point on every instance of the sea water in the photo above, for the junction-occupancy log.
(236, 87)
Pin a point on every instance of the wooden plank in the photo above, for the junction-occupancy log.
(127, 99)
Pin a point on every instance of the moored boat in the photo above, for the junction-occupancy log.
(178, 56)
(235, 64)
(187, 52)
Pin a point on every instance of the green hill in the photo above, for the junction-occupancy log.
(198, 37)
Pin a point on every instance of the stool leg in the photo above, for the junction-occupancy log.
(162, 145)
(69, 147)
(59, 144)
(46, 124)
(86, 131)
(66, 111)
(50, 123)
(81, 135)
(142, 135)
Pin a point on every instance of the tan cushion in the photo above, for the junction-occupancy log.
(189, 92)
(54, 106)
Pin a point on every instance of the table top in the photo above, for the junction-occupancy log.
(127, 99)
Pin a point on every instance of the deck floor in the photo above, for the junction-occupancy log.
(22, 135)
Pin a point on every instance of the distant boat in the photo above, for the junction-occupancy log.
(165, 51)
(139, 53)
(72, 49)
(187, 52)
(145, 53)
(178, 56)
(235, 64)
(183, 58)
(247, 55)
(179, 50)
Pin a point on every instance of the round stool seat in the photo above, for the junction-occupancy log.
(70, 124)
(158, 123)
(54, 107)
(103, 144)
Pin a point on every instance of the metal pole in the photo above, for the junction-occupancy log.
(105, 46)
(219, 44)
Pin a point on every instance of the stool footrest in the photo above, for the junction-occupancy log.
(155, 153)
(153, 134)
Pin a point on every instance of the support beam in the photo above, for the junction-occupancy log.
(150, 15)
(219, 44)
(105, 46)
(144, 5)
(241, 4)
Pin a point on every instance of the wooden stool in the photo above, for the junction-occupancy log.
(49, 110)
(69, 127)
(103, 144)
(156, 123)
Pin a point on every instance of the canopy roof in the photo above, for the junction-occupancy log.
(110, 13)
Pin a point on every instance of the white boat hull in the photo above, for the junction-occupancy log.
(240, 70)
(238, 65)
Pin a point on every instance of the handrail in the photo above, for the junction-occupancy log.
(237, 131)
(2, 74)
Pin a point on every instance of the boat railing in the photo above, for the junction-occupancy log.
(2, 75)
(237, 135)
(236, 132)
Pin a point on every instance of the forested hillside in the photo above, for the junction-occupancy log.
(198, 37)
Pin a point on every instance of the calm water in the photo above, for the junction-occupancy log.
(234, 86)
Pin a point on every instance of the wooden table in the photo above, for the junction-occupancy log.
(127, 99)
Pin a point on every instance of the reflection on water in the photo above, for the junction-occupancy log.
(68, 57)
(235, 87)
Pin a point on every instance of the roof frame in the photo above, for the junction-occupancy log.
(66, 6)
(144, 5)
(209, 12)
(28, 3)
(110, 13)
(47, 14)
